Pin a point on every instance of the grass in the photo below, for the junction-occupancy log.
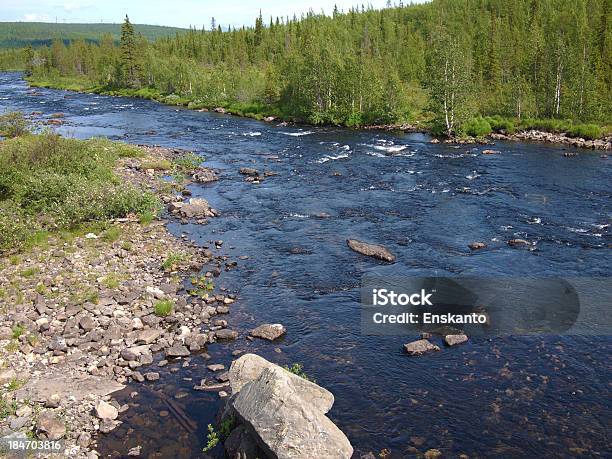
(18, 330)
(156, 164)
(146, 218)
(112, 234)
(7, 408)
(298, 369)
(173, 260)
(163, 308)
(15, 384)
(29, 272)
(49, 183)
(112, 281)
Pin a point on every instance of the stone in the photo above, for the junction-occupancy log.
(477, 245)
(269, 331)
(6, 333)
(177, 350)
(7, 376)
(105, 410)
(67, 385)
(432, 454)
(49, 426)
(151, 376)
(518, 242)
(24, 411)
(84, 439)
(226, 334)
(286, 413)
(490, 152)
(371, 250)
(148, 336)
(196, 207)
(204, 176)
(452, 340)
(241, 444)
(420, 347)
(216, 367)
(135, 451)
(249, 171)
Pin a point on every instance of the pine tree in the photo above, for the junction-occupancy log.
(129, 56)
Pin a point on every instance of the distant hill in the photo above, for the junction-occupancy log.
(20, 34)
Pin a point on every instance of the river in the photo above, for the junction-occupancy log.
(512, 396)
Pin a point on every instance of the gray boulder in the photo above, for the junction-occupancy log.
(420, 347)
(284, 413)
(371, 250)
(269, 331)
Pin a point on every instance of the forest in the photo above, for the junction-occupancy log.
(457, 65)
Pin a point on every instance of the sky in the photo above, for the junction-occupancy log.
(178, 13)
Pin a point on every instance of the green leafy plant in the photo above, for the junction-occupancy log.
(298, 369)
(13, 124)
(212, 439)
(163, 308)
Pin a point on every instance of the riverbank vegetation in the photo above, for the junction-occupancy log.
(49, 183)
(462, 67)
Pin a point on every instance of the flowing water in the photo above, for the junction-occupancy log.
(513, 396)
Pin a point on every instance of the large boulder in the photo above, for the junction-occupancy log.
(284, 413)
(196, 208)
(371, 250)
(269, 331)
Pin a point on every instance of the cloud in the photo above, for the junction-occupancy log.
(35, 17)
(75, 5)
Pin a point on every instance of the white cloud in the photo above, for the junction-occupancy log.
(75, 5)
(35, 17)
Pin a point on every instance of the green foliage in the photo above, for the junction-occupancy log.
(48, 183)
(212, 439)
(13, 124)
(163, 308)
(298, 369)
(500, 124)
(156, 164)
(112, 234)
(173, 260)
(187, 162)
(18, 330)
(477, 127)
(586, 131)
(145, 218)
(7, 408)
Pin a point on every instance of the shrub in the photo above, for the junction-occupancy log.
(51, 183)
(13, 124)
(586, 131)
(499, 124)
(477, 127)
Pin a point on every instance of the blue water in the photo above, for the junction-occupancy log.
(499, 397)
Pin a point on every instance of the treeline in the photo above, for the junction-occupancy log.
(447, 61)
(22, 34)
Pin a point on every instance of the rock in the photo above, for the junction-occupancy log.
(452, 340)
(91, 236)
(518, 242)
(241, 444)
(226, 333)
(53, 401)
(107, 425)
(286, 413)
(148, 336)
(7, 376)
(432, 454)
(249, 171)
(87, 323)
(204, 176)
(49, 426)
(84, 440)
(128, 355)
(477, 245)
(196, 207)
(135, 451)
(6, 333)
(156, 292)
(105, 410)
(371, 250)
(71, 385)
(490, 152)
(216, 367)
(177, 350)
(151, 376)
(24, 411)
(269, 331)
(420, 347)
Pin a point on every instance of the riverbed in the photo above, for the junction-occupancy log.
(512, 396)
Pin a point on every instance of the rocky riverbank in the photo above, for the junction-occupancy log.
(83, 313)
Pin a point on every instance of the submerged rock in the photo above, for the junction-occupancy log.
(283, 413)
(477, 245)
(518, 242)
(420, 347)
(452, 340)
(371, 250)
(249, 171)
(269, 331)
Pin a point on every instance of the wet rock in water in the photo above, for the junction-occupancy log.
(477, 245)
(284, 413)
(420, 347)
(490, 152)
(177, 350)
(518, 242)
(105, 410)
(371, 250)
(204, 176)
(216, 367)
(226, 333)
(433, 454)
(196, 208)
(49, 426)
(269, 331)
(151, 376)
(434, 140)
(249, 171)
(135, 451)
(452, 340)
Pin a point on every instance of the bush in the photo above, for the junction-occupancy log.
(13, 124)
(50, 183)
(549, 125)
(499, 124)
(477, 127)
(586, 131)
(163, 308)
